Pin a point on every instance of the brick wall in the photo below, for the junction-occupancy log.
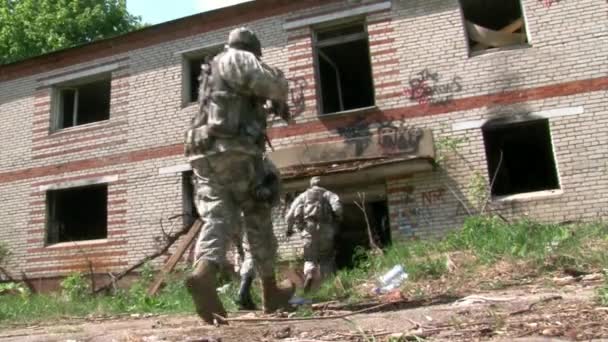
(565, 67)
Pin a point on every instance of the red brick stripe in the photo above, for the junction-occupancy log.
(298, 37)
(381, 31)
(80, 149)
(73, 141)
(386, 73)
(381, 41)
(379, 21)
(383, 52)
(301, 67)
(75, 267)
(85, 257)
(71, 246)
(387, 84)
(79, 130)
(299, 57)
(386, 62)
(299, 47)
(91, 175)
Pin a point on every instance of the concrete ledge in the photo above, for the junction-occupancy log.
(529, 196)
(78, 183)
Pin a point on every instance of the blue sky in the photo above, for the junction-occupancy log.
(158, 11)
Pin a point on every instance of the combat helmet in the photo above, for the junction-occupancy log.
(243, 38)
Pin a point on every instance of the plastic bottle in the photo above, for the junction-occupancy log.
(392, 279)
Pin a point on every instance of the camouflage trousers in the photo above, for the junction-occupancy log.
(319, 252)
(224, 190)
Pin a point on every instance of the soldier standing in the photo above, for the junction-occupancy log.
(225, 147)
(316, 213)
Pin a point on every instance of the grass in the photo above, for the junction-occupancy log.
(490, 242)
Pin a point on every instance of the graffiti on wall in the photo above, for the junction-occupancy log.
(548, 3)
(432, 197)
(426, 88)
(358, 135)
(402, 138)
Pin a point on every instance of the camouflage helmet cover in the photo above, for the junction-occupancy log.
(245, 39)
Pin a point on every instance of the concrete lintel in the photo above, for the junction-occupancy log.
(548, 114)
(337, 15)
(78, 183)
(80, 74)
(201, 49)
(171, 170)
(375, 174)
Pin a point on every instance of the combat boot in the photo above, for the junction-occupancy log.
(276, 297)
(202, 287)
(244, 300)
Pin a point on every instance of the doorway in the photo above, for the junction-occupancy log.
(353, 233)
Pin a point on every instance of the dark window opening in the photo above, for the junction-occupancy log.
(527, 162)
(84, 104)
(193, 72)
(492, 24)
(353, 234)
(77, 214)
(344, 69)
(188, 199)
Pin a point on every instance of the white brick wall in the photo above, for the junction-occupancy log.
(569, 42)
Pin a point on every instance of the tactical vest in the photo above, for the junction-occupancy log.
(316, 206)
(224, 114)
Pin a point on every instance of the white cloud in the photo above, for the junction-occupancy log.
(208, 5)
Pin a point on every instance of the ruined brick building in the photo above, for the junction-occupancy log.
(92, 154)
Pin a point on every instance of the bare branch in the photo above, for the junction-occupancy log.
(361, 205)
(171, 239)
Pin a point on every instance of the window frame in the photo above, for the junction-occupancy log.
(316, 45)
(57, 100)
(51, 209)
(186, 59)
(498, 124)
(473, 53)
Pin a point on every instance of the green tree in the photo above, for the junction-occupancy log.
(33, 27)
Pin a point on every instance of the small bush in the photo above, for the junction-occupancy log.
(75, 287)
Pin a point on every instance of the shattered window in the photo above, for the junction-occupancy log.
(493, 24)
(520, 157)
(77, 214)
(83, 103)
(192, 72)
(343, 68)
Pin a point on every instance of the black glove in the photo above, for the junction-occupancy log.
(263, 194)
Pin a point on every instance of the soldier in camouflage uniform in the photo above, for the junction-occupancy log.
(225, 147)
(316, 214)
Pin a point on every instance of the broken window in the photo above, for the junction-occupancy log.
(520, 154)
(192, 72)
(83, 103)
(343, 68)
(493, 24)
(77, 214)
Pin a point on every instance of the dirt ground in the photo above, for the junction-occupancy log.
(523, 313)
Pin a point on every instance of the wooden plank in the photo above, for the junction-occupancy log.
(160, 277)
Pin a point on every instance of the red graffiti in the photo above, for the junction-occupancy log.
(432, 197)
